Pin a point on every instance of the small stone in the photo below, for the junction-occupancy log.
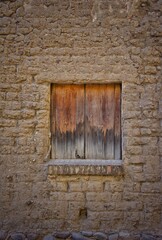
(124, 234)
(100, 236)
(62, 235)
(148, 237)
(17, 236)
(113, 236)
(78, 236)
(87, 233)
(32, 236)
(49, 237)
(3, 235)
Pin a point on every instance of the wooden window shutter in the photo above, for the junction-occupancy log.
(68, 121)
(85, 121)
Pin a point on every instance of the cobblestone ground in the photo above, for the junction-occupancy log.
(84, 235)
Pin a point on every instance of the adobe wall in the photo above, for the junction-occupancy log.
(79, 41)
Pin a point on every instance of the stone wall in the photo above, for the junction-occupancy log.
(79, 41)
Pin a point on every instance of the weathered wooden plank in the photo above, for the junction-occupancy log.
(52, 116)
(99, 121)
(109, 122)
(68, 133)
(117, 121)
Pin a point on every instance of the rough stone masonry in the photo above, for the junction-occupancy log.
(80, 41)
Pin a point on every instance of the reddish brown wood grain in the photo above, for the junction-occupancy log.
(68, 126)
(100, 121)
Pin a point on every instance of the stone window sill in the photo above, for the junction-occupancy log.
(85, 167)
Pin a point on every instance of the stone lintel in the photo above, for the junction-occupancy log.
(85, 167)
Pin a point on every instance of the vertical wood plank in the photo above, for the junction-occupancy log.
(68, 133)
(117, 121)
(52, 116)
(99, 121)
(109, 121)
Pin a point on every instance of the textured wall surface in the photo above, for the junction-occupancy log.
(79, 41)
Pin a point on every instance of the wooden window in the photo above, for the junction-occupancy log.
(85, 121)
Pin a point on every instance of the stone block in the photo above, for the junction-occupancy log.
(94, 186)
(75, 186)
(150, 70)
(61, 186)
(78, 196)
(93, 197)
(151, 187)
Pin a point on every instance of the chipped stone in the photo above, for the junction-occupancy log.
(87, 233)
(78, 236)
(17, 236)
(113, 236)
(148, 237)
(62, 235)
(32, 236)
(100, 236)
(49, 237)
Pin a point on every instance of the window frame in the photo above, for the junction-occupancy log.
(88, 166)
(53, 105)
